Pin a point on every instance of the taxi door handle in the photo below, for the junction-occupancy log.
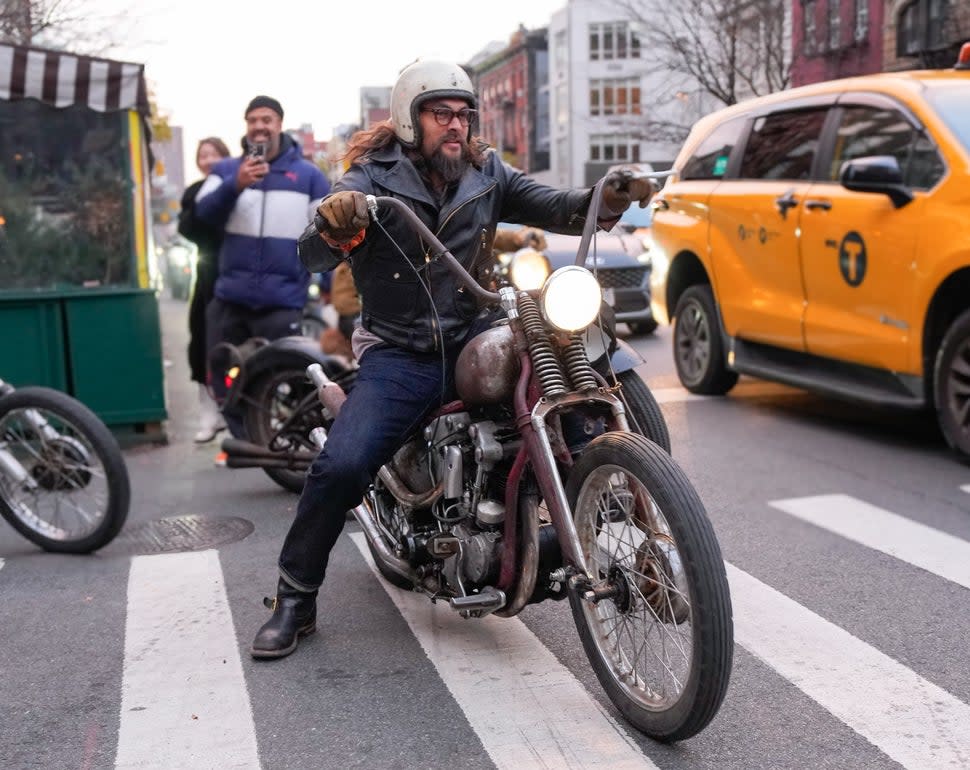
(816, 204)
(785, 202)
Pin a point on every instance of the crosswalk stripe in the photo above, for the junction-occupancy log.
(909, 718)
(184, 701)
(965, 488)
(902, 538)
(527, 709)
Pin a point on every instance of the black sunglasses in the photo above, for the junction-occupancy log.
(444, 115)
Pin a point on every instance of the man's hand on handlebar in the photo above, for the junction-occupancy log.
(341, 216)
(622, 187)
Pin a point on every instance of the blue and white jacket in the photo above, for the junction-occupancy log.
(258, 262)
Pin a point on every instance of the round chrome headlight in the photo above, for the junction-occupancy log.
(528, 269)
(571, 298)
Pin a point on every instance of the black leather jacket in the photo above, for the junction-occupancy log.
(394, 305)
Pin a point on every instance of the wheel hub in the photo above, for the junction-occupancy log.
(660, 579)
(63, 466)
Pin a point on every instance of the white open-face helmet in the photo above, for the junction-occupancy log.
(420, 81)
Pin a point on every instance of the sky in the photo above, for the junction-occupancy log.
(205, 59)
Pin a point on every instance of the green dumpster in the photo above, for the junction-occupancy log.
(78, 304)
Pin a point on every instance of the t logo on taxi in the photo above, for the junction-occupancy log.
(852, 258)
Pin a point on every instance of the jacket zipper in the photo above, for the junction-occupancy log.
(427, 254)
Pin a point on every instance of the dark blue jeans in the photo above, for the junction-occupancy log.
(394, 391)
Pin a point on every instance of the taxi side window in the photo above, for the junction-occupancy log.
(783, 145)
(877, 131)
(710, 159)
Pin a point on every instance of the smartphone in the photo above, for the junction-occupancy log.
(257, 151)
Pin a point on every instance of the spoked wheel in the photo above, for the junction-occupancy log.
(63, 480)
(656, 619)
(644, 413)
(283, 410)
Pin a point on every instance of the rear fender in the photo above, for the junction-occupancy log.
(287, 353)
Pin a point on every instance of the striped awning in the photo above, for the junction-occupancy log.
(61, 79)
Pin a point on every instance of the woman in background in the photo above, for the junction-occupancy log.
(207, 240)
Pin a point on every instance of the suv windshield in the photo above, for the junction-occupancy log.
(952, 102)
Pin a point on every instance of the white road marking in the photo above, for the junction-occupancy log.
(965, 488)
(528, 710)
(902, 538)
(184, 701)
(909, 718)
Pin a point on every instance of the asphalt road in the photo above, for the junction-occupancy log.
(847, 537)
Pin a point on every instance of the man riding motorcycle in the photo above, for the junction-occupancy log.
(415, 319)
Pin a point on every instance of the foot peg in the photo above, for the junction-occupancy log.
(480, 604)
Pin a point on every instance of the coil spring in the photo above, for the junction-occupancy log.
(577, 365)
(547, 366)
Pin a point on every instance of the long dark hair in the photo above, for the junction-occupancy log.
(366, 142)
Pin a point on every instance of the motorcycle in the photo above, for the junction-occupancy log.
(266, 383)
(63, 480)
(532, 486)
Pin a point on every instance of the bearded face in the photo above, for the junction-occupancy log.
(446, 163)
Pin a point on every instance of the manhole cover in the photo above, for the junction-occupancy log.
(191, 532)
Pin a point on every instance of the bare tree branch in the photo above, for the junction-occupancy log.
(70, 25)
(729, 50)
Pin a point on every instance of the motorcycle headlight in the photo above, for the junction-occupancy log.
(529, 269)
(571, 298)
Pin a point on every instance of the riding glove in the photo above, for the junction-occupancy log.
(342, 216)
(621, 188)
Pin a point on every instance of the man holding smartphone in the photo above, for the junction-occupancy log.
(262, 201)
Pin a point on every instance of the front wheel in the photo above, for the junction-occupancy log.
(643, 411)
(655, 615)
(63, 480)
(951, 384)
(698, 348)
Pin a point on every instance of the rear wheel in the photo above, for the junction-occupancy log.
(65, 484)
(698, 347)
(281, 412)
(655, 619)
(951, 384)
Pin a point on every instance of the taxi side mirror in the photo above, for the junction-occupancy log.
(876, 174)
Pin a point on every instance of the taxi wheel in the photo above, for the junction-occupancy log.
(951, 386)
(698, 346)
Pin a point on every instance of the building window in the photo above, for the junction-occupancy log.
(614, 148)
(559, 53)
(861, 20)
(835, 24)
(613, 40)
(921, 26)
(808, 23)
(614, 96)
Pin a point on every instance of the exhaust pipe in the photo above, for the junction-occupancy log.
(236, 447)
(232, 461)
(371, 531)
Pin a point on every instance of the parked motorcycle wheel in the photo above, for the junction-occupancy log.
(644, 413)
(662, 643)
(76, 495)
(281, 411)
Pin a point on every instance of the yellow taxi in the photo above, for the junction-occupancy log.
(821, 237)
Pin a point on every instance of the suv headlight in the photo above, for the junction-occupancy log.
(571, 298)
(528, 269)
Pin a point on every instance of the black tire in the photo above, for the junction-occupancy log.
(951, 386)
(643, 327)
(274, 398)
(643, 411)
(80, 469)
(698, 345)
(643, 529)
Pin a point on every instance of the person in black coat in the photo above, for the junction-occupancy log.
(207, 239)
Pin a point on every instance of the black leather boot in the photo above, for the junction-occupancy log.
(294, 615)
